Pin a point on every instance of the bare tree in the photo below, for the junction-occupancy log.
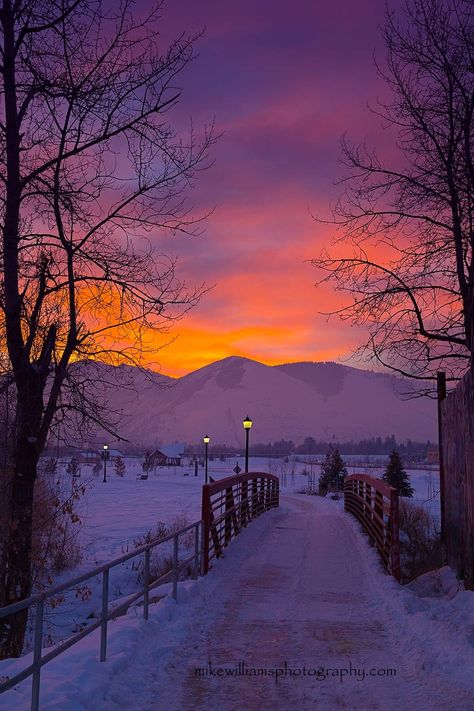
(409, 223)
(91, 169)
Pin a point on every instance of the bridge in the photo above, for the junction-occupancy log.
(296, 613)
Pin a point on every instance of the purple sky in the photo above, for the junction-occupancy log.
(284, 80)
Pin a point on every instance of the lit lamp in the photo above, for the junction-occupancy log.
(206, 441)
(247, 423)
(105, 456)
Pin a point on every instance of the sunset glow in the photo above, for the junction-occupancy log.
(283, 86)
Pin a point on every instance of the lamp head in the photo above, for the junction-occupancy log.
(206, 439)
(247, 423)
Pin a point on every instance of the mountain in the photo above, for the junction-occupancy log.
(288, 401)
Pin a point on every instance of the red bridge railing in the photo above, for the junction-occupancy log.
(229, 504)
(375, 504)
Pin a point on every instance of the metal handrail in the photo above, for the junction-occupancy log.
(39, 660)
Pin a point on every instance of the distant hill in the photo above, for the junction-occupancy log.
(288, 401)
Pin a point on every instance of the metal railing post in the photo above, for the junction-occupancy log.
(175, 566)
(196, 551)
(39, 600)
(146, 583)
(105, 610)
(38, 641)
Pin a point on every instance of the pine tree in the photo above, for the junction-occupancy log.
(396, 476)
(119, 466)
(333, 469)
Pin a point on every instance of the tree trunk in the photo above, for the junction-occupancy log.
(16, 578)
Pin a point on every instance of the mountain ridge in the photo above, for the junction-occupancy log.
(324, 400)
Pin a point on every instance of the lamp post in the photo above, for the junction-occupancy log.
(206, 441)
(105, 456)
(247, 423)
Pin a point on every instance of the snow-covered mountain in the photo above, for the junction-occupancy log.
(289, 401)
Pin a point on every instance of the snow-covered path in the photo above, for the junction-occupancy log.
(302, 597)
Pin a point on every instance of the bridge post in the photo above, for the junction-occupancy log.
(244, 504)
(206, 526)
(395, 535)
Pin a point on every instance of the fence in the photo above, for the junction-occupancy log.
(375, 505)
(39, 660)
(456, 431)
(229, 504)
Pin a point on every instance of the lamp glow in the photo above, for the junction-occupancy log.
(247, 423)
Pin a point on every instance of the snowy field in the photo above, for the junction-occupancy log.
(117, 514)
(264, 610)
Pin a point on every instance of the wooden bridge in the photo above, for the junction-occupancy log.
(301, 618)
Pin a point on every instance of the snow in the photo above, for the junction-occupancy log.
(299, 585)
(116, 515)
(353, 404)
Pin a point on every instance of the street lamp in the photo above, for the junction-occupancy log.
(247, 423)
(206, 441)
(105, 456)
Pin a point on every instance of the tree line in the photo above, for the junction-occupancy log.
(409, 449)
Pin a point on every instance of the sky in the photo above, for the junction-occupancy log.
(283, 80)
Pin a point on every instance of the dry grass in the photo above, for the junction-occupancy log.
(161, 557)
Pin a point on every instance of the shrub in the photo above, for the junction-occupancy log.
(161, 557)
(420, 543)
(56, 524)
(119, 466)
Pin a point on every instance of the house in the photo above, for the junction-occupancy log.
(92, 456)
(168, 455)
(88, 456)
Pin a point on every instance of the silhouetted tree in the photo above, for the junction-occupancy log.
(409, 221)
(333, 469)
(396, 476)
(90, 168)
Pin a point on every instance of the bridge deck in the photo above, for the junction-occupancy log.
(305, 596)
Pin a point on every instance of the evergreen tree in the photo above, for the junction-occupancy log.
(119, 466)
(333, 469)
(396, 476)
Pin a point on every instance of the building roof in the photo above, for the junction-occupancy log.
(172, 450)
